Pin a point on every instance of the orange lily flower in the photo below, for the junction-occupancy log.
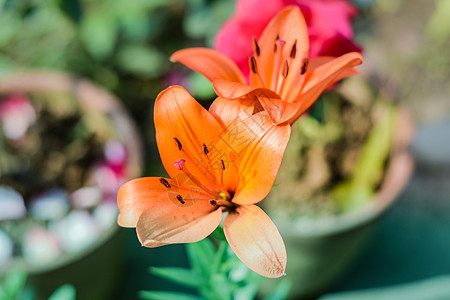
(214, 169)
(283, 80)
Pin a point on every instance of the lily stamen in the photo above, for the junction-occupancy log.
(180, 165)
(279, 45)
(256, 48)
(223, 203)
(291, 92)
(284, 73)
(305, 65)
(254, 68)
(222, 168)
(293, 50)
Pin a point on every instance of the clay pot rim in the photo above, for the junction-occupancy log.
(398, 173)
(94, 98)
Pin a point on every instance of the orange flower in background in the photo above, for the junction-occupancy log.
(216, 165)
(283, 80)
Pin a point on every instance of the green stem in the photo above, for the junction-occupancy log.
(215, 267)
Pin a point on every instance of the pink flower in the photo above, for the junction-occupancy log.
(329, 27)
(17, 115)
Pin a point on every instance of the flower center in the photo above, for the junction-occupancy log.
(281, 68)
(216, 197)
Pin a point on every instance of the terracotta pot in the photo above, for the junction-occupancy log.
(94, 270)
(319, 251)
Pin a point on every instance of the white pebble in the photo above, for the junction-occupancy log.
(12, 205)
(40, 245)
(51, 205)
(86, 197)
(76, 231)
(6, 247)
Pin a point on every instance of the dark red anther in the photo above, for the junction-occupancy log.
(304, 66)
(285, 70)
(205, 149)
(179, 198)
(294, 50)
(165, 182)
(257, 50)
(178, 143)
(223, 164)
(253, 65)
(213, 202)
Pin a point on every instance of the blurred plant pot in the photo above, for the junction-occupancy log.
(94, 269)
(319, 250)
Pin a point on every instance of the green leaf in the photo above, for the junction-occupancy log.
(218, 234)
(161, 295)
(9, 25)
(200, 255)
(181, 276)
(72, 9)
(64, 292)
(229, 264)
(281, 291)
(201, 87)
(438, 26)
(275, 186)
(142, 60)
(223, 287)
(13, 284)
(216, 263)
(98, 32)
(246, 292)
(369, 168)
(318, 110)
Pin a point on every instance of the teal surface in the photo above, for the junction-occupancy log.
(410, 252)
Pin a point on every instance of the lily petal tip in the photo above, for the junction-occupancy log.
(152, 244)
(173, 57)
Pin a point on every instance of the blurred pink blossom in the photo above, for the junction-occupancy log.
(109, 173)
(16, 114)
(329, 27)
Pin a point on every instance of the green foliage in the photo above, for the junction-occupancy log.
(13, 288)
(64, 292)
(201, 86)
(94, 38)
(360, 187)
(157, 295)
(13, 284)
(281, 291)
(204, 18)
(214, 274)
(438, 26)
(182, 276)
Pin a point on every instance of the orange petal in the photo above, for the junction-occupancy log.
(164, 224)
(288, 25)
(270, 101)
(130, 206)
(256, 147)
(279, 110)
(165, 213)
(184, 129)
(228, 111)
(322, 77)
(232, 90)
(256, 241)
(138, 195)
(209, 63)
(327, 70)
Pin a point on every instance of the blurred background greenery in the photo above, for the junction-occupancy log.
(124, 46)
